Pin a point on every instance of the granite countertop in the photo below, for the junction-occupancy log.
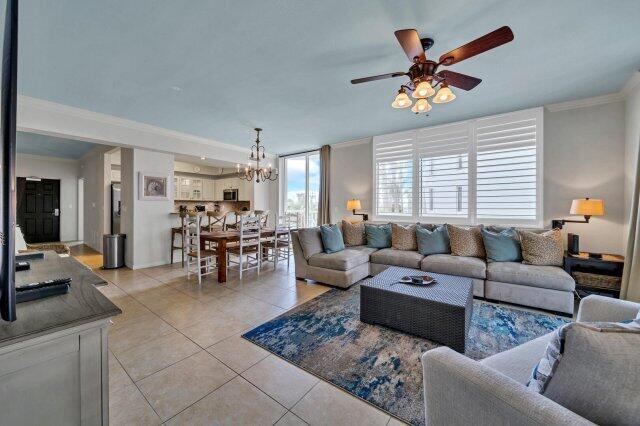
(83, 304)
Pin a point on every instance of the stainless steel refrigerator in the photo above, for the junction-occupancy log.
(116, 203)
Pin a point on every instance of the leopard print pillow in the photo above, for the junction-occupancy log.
(466, 241)
(404, 237)
(542, 249)
(353, 234)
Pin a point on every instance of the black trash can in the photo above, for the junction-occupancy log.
(113, 251)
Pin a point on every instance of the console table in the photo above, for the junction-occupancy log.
(53, 358)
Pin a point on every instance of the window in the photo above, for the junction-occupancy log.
(301, 181)
(487, 170)
(394, 176)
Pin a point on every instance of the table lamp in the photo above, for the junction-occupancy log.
(353, 205)
(586, 207)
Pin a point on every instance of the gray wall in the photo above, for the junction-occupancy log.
(632, 140)
(583, 157)
(584, 152)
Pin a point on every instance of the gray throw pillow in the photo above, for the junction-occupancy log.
(593, 369)
(310, 241)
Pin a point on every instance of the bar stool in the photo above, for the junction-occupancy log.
(238, 219)
(179, 230)
(217, 221)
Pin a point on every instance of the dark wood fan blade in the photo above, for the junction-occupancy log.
(410, 42)
(463, 81)
(377, 77)
(486, 42)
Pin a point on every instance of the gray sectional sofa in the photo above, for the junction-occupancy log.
(545, 287)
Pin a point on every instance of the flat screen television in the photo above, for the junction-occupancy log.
(8, 100)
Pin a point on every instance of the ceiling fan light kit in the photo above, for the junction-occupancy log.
(423, 74)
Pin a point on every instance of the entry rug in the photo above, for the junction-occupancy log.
(379, 365)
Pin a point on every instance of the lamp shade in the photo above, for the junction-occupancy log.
(587, 207)
(353, 204)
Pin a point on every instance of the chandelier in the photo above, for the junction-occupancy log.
(260, 174)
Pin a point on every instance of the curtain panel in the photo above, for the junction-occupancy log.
(324, 215)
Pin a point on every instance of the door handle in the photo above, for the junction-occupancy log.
(56, 212)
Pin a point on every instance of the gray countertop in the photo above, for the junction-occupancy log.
(83, 304)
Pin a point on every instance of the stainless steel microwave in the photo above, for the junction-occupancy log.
(230, 195)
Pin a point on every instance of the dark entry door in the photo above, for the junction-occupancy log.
(39, 209)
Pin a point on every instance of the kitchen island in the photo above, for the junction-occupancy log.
(54, 357)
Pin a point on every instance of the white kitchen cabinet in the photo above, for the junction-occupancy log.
(208, 190)
(195, 189)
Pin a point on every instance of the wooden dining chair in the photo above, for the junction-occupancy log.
(278, 247)
(247, 254)
(199, 261)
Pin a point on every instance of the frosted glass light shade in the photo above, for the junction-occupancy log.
(401, 100)
(444, 95)
(423, 90)
(587, 207)
(421, 106)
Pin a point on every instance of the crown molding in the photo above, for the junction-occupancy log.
(122, 123)
(631, 85)
(627, 89)
(48, 158)
(587, 102)
(350, 143)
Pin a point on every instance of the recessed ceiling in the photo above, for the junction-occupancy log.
(218, 69)
(49, 146)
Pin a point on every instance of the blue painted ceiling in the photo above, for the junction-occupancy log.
(35, 144)
(219, 68)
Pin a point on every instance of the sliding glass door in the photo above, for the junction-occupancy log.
(301, 190)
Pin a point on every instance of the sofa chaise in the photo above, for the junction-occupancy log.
(546, 287)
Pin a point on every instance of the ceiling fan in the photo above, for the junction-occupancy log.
(424, 76)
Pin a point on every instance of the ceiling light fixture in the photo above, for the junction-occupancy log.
(423, 90)
(260, 174)
(202, 158)
(401, 100)
(444, 95)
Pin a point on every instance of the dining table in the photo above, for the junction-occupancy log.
(223, 238)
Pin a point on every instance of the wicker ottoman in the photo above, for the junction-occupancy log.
(440, 312)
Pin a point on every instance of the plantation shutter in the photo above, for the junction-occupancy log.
(393, 164)
(507, 177)
(443, 158)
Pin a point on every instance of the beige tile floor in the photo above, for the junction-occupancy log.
(176, 355)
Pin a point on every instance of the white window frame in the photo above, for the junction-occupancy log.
(471, 219)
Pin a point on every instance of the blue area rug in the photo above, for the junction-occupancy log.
(379, 365)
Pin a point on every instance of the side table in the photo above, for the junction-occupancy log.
(595, 275)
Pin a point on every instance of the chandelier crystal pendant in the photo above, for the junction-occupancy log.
(251, 172)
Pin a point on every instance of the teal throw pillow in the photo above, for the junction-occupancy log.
(378, 236)
(502, 245)
(433, 242)
(331, 238)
